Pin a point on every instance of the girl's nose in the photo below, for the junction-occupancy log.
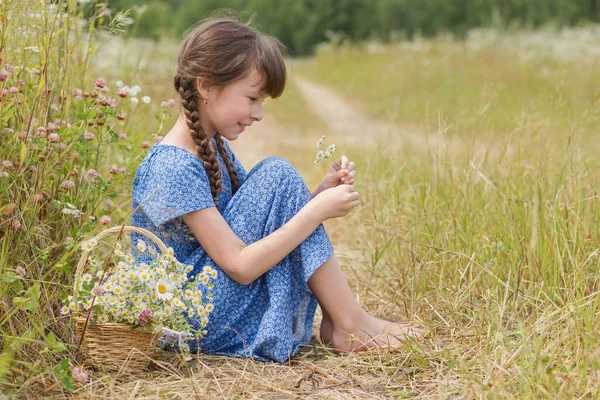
(257, 113)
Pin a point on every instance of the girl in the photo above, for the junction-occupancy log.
(262, 230)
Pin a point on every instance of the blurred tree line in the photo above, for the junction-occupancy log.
(301, 24)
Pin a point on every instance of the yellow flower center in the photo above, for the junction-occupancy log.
(162, 289)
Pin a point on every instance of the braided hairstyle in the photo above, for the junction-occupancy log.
(219, 52)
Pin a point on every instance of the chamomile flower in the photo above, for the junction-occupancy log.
(164, 290)
(143, 266)
(108, 287)
(118, 290)
(210, 307)
(129, 258)
(204, 322)
(205, 279)
(190, 313)
(154, 296)
(152, 250)
(196, 301)
(87, 278)
(103, 318)
(144, 276)
(213, 273)
(171, 252)
(64, 310)
(93, 262)
(89, 245)
(189, 268)
(200, 309)
(320, 142)
(141, 245)
(206, 269)
(132, 275)
(114, 279)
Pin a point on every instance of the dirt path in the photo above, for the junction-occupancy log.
(349, 122)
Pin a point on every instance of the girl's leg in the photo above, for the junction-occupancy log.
(349, 327)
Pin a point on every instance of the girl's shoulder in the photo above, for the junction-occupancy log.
(169, 154)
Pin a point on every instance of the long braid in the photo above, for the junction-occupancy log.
(230, 167)
(188, 93)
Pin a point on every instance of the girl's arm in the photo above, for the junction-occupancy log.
(245, 263)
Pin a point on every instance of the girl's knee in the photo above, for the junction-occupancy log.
(277, 168)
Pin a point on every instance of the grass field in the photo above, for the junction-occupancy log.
(486, 233)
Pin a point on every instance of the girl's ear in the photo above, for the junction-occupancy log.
(202, 87)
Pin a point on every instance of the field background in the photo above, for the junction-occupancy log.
(478, 168)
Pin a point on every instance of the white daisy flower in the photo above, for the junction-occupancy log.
(89, 245)
(146, 99)
(93, 262)
(108, 287)
(189, 268)
(141, 246)
(103, 319)
(129, 258)
(134, 100)
(144, 276)
(213, 274)
(320, 142)
(190, 313)
(164, 290)
(206, 269)
(210, 307)
(200, 309)
(196, 301)
(171, 252)
(204, 322)
(152, 250)
(143, 266)
(64, 310)
(87, 278)
(118, 290)
(119, 84)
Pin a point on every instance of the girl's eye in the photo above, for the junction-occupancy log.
(253, 98)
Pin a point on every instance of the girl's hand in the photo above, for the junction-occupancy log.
(341, 172)
(336, 202)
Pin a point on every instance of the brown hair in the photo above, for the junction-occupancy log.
(221, 51)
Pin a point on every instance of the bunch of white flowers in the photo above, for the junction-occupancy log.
(159, 295)
(326, 153)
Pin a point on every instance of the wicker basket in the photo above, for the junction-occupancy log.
(114, 346)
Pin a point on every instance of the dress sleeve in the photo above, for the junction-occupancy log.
(175, 184)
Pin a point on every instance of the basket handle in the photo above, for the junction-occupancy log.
(127, 228)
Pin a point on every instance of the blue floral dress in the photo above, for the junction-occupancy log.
(272, 317)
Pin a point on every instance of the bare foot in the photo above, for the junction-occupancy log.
(370, 332)
(326, 331)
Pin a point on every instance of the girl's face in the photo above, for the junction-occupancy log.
(231, 109)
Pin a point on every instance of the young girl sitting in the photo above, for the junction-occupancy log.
(261, 230)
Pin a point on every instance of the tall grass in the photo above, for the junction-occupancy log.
(495, 245)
